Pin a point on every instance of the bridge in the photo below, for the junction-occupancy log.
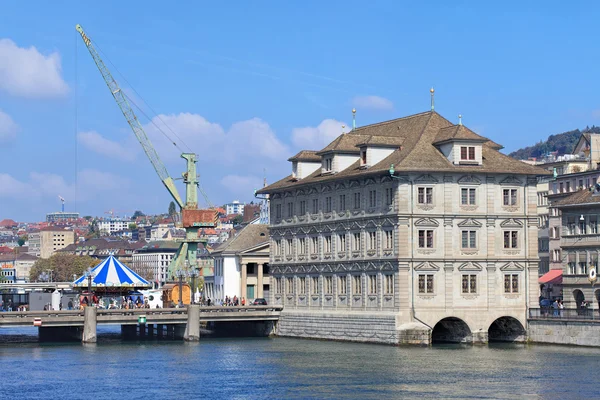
(172, 322)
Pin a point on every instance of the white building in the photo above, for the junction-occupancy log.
(234, 208)
(154, 259)
(418, 222)
(110, 226)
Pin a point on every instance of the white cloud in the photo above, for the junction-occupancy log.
(242, 186)
(27, 73)
(373, 103)
(99, 144)
(315, 138)
(8, 128)
(245, 143)
(13, 188)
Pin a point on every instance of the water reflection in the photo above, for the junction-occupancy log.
(293, 368)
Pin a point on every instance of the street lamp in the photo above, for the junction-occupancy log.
(89, 275)
(193, 274)
(180, 274)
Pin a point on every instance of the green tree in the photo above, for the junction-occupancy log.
(238, 219)
(172, 209)
(137, 214)
(62, 266)
(132, 226)
(21, 242)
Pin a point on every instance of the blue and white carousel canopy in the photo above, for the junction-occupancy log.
(112, 273)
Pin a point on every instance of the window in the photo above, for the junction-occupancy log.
(556, 255)
(328, 204)
(290, 246)
(342, 206)
(302, 246)
(582, 230)
(467, 153)
(356, 284)
(372, 198)
(571, 264)
(571, 225)
(580, 184)
(426, 283)
(290, 285)
(469, 239)
(467, 196)
(372, 284)
(510, 197)
(314, 248)
(363, 157)
(389, 196)
(356, 200)
(302, 207)
(278, 211)
(511, 283)
(314, 284)
(469, 283)
(388, 284)
(290, 209)
(425, 195)
(389, 240)
(510, 239)
(327, 242)
(593, 226)
(328, 164)
(302, 282)
(356, 241)
(342, 285)
(583, 267)
(561, 187)
(278, 248)
(426, 239)
(342, 243)
(372, 241)
(568, 187)
(328, 285)
(279, 285)
(315, 206)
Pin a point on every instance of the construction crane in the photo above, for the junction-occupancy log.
(193, 219)
(62, 200)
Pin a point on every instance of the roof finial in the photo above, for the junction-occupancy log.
(460, 119)
(353, 118)
(432, 92)
(343, 127)
(264, 177)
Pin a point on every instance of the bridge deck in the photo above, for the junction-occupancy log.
(130, 317)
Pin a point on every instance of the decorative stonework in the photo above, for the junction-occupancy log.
(469, 179)
(511, 180)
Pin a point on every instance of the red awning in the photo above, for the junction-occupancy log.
(553, 276)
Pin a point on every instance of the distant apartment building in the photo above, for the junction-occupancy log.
(101, 248)
(110, 226)
(61, 216)
(152, 261)
(47, 241)
(234, 207)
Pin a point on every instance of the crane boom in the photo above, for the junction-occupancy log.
(132, 120)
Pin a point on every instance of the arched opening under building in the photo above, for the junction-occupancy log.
(451, 330)
(578, 297)
(506, 329)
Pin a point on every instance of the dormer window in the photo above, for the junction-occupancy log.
(467, 153)
(328, 164)
(363, 157)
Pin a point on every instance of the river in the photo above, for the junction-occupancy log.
(282, 368)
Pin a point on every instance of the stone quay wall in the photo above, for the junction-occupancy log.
(343, 326)
(569, 332)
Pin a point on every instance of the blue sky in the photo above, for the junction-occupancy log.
(247, 84)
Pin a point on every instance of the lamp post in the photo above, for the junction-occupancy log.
(180, 274)
(193, 274)
(89, 275)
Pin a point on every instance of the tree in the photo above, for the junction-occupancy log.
(137, 214)
(132, 226)
(62, 266)
(21, 241)
(172, 209)
(238, 219)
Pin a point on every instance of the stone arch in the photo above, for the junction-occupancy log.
(507, 329)
(451, 330)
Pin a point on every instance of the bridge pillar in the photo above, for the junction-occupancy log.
(89, 324)
(192, 328)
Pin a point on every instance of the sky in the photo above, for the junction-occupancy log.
(246, 85)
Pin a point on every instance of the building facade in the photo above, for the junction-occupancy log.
(153, 261)
(62, 216)
(234, 207)
(47, 241)
(111, 226)
(417, 218)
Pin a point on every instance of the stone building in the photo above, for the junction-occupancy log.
(241, 266)
(575, 245)
(402, 232)
(47, 241)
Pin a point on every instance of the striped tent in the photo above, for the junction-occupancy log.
(111, 273)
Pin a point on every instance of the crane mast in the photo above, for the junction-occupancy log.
(192, 218)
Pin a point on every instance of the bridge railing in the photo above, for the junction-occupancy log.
(565, 313)
(36, 314)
